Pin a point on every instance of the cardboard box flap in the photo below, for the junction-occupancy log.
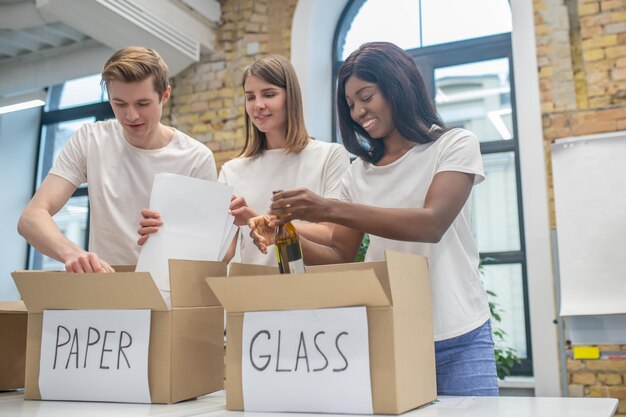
(187, 282)
(299, 291)
(409, 280)
(244, 270)
(12, 307)
(380, 268)
(43, 290)
(124, 268)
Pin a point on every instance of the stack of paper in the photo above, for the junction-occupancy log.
(196, 225)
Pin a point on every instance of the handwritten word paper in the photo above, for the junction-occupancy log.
(95, 355)
(307, 361)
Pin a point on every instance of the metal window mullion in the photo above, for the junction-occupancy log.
(499, 146)
(504, 257)
(97, 110)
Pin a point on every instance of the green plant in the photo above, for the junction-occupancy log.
(360, 255)
(506, 357)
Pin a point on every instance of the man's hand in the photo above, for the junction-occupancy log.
(262, 231)
(149, 224)
(83, 261)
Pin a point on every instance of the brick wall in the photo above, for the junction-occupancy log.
(581, 52)
(599, 378)
(207, 98)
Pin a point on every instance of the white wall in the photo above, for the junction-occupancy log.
(312, 32)
(311, 47)
(541, 281)
(19, 137)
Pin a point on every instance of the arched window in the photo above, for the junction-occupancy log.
(465, 57)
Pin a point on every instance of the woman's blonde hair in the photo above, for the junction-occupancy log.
(278, 71)
(137, 63)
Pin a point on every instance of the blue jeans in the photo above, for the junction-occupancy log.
(466, 364)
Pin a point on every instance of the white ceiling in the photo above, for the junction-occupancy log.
(24, 32)
(21, 43)
(45, 42)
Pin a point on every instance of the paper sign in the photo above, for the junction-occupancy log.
(195, 219)
(95, 355)
(306, 361)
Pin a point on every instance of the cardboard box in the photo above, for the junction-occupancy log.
(186, 348)
(396, 293)
(13, 346)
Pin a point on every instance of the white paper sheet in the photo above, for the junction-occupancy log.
(195, 218)
(95, 355)
(228, 238)
(589, 201)
(307, 361)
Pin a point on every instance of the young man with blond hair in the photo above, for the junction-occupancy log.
(118, 159)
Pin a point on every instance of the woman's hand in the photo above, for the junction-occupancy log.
(302, 204)
(149, 224)
(262, 231)
(239, 208)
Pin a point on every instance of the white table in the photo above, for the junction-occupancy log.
(12, 404)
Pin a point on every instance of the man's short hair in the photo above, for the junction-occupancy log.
(137, 63)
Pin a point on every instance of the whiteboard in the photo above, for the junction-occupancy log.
(589, 175)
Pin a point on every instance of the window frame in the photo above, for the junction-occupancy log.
(99, 111)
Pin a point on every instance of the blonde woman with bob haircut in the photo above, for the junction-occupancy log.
(278, 154)
(120, 158)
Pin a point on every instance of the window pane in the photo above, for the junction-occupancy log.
(505, 280)
(72, 220)
(62, 132)
(378, 20)
(81, 91)
(476, 96)
(446, 21)
(495, 220)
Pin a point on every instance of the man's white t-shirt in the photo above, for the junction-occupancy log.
(459, 299)
(120, 179)
(318, 167)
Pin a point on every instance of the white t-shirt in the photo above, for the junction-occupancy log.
(120, 180)
(459, 299)
(318, 167)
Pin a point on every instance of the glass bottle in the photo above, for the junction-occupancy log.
(288, 249)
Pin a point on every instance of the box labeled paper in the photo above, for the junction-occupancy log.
(185, 354)
(13, 346)
(396, 294)
(95, 355)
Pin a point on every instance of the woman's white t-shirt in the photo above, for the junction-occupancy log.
(318, 167)
(459, 299)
